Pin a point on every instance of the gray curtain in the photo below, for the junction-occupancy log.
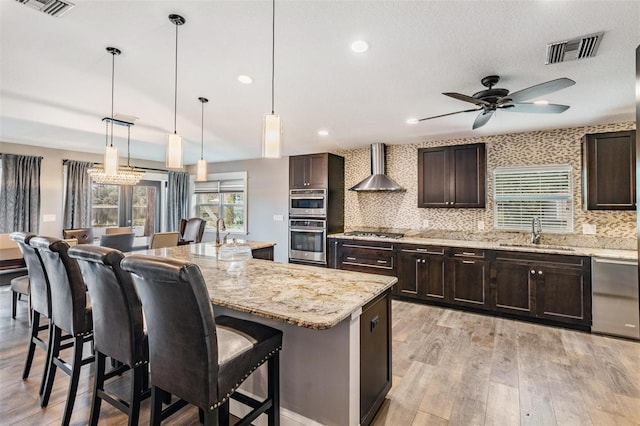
(177, 199)
(20, 195)
(77, 205)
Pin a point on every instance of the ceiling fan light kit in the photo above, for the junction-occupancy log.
(490, 100)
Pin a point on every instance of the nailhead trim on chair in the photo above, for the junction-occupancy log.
(237, 385)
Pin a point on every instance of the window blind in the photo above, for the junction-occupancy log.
(524, 192)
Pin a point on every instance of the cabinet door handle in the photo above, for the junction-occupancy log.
(539, 272)
(533, 272)
(469, 261)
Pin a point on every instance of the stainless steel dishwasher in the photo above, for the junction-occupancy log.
(616, 309)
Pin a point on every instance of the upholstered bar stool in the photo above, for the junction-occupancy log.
(191, 230)
(39, 301)
(70, 313)
(19, 287)
(118, 330)
(195, 356)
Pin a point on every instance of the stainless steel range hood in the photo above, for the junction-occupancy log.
(378, 181)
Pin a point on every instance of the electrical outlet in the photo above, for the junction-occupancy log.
(48, 217)
(588, 229)
(278, 218)
(425, 223)
(481, 225)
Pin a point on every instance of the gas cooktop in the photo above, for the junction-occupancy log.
(392, 235)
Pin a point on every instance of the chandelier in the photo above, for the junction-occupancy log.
(125, 175)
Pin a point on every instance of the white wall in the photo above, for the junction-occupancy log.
(268, 189)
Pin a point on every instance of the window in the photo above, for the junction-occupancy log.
(524, 192)
(223, 196)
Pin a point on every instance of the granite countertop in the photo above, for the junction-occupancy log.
(490, 244)
(305, 296)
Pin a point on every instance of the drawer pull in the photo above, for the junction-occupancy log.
(467, 253)
(351, 258)
(382, 261)
(468, 261)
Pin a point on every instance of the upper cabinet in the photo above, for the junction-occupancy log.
(609, 171)
(452, 176)
(308, 171)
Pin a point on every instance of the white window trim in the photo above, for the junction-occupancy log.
(565, 195)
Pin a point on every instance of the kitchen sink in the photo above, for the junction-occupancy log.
(538, 246)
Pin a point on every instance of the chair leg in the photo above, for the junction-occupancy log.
(273, 386)
(14, 303)
(211, 418)
(32, 346)
(156, 405)
(45, 372)
(52, 352)
(73, 381)
(98, 385)
(137, 386)
(223, 414)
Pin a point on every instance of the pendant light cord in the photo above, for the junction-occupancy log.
(128, 145)
(113, 68)
(202, 134)
(273, 52)
(175, 94)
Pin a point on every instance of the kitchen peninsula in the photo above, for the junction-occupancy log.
(335, 365)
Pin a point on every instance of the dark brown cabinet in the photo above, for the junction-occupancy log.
(265, 253)
(469, 278)
(363, 256)
(552, 287)
(309, 171)
(452, 176)
(421, 272)
(609, 171)
(375, 356)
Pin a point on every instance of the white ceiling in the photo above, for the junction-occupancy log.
(55, 81)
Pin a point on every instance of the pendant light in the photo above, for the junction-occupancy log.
(271, 126)
(111, 152)
(201, 174)
(174, 146)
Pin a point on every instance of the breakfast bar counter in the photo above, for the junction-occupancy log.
(326, 316)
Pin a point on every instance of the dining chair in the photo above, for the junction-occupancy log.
(163, 239)
(222, 351)
(83, 235)
(122, 242)
(191, 230)
(70, 313)
(118, 329)
(118, 230)
(19, 287)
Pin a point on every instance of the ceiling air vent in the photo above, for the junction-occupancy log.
(55, 8)
(569, 50)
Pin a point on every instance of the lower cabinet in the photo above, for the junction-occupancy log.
(375, 356)
(265, 253)
(421, 273)
(376, 257)
(469, 278)
(552, 287)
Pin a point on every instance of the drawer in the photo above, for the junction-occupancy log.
(370, 260)
(468, 252)
(423, 249)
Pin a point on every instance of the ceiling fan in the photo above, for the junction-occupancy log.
(490, 100)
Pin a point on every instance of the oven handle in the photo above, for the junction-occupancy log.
(302, 197)
(317, 231)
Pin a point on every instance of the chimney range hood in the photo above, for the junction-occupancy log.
(378, 181)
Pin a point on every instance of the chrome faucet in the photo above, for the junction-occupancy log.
(536, 230)
(218, 229)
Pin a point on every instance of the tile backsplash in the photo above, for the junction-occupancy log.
(399, 211)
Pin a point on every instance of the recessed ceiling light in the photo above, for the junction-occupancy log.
(359, 46)
(245, 79)
(412, 121)
(541, 102)
(323, 132)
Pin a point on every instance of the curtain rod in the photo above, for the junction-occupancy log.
(8, 153)
(150, 169)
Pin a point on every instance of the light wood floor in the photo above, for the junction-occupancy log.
(449, 367)
(457, 368)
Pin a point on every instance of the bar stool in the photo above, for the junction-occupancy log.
(117, 328)
(195, 356)
(70, 313)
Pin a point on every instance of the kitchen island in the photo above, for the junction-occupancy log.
(335, 365)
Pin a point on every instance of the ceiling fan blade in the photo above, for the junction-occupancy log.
(451, 113)
(540, 89)
(482, 119)
(537, 108)
(465, 98)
